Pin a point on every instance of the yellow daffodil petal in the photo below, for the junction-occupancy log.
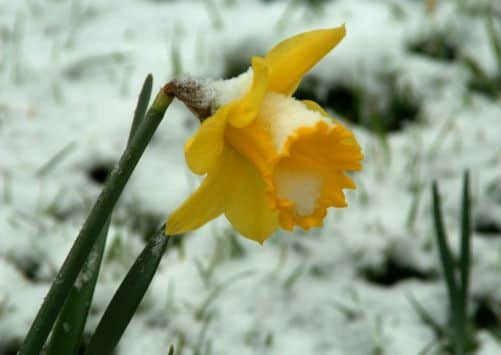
(301, 156)
(205, 147)
(235, 187)
(247, 207)
(310, 177)
(270, 160)
(205, 204)
(312, 105)
(291, 59)
(246, 110)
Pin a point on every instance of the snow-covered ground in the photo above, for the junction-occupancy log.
(70, 72)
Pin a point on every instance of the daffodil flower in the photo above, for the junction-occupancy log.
(269, 160)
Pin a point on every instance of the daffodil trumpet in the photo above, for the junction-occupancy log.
(268, 160)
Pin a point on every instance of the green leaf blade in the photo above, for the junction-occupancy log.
(99, 214)
(68, 330)
(445, 253)
(142, 106)
(494, 39)
(465, 249)
(127, 298)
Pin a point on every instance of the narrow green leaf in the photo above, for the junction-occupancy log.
(494, 39)
(142, 106)
(67, 333)
(215, 16)
(56, 159)
(428, 347)
(99, 214)
(175, 54)
(127, 298)
(426, 316)
(443, 246)
(449, 269)
(171, 350)
(482, 79)
(475, 68)
(465, 260)
(201, 312)
(68, 330)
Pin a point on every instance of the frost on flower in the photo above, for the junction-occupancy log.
(269, 160)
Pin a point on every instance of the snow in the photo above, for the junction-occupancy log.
(303, 188)
(70, 73)
(283, 116)
(226, 91)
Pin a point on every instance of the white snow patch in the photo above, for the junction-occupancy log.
(226, 91)
(283, 115)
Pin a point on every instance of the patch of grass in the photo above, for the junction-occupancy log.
(59, 209)
(437, 46)
(28, 265)
(293, 277)
(105, 64)
(258, 338)
(10, 347)
(486, 221)
(99, 171)
(381, 112)
(457, 336)
(480, 80)
(204, 309)
(346, 101)
(487, 315)
(487, 226)
(310, 7)
(236, 62)
(227, 246)
(393, 271)
(139, 219)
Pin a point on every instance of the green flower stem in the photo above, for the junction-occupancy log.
(92, 227)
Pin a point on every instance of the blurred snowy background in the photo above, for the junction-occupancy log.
(418, 81)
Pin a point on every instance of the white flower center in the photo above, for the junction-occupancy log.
(300, 187)
(283, 116)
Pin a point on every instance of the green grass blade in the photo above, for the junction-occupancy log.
(126, 299)
(449, 269)
(465, 249)
(425, 316)
(99, 214)
(142, 106)
(214, 14)
(475, 68)
(56, 159)
(201, 312)
(446, 258)
(67, 333)
(494, 39)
